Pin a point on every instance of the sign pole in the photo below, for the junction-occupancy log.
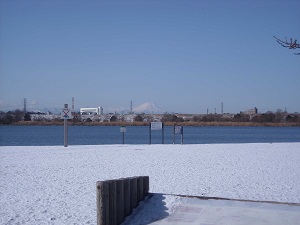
(123, 130)
(162, 134)
(178, 130)
(156, 126)
(150, 133)
(66, 129)
(182, 135)
(173, 134)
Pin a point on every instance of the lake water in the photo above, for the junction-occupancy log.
(98, 135)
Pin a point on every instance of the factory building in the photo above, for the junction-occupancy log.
(91, 111)
(251, 111)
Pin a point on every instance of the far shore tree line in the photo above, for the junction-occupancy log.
(269, 117)
(19, 117)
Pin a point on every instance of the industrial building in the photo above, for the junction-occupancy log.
(251, 111)
(91, 111)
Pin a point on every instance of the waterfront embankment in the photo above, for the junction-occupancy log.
(136, 123)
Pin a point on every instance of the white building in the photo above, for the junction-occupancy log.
(251, 111)
(91, 111)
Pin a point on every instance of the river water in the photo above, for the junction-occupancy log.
(98, 135)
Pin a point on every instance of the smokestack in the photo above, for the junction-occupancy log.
(73, 104)
(222, 108)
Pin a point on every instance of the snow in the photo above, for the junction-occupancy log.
(57, 185)
(147, 108)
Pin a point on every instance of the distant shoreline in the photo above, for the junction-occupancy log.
(196, 124)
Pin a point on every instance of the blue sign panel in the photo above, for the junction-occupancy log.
(178, 129)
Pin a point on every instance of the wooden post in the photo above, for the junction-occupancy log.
(127, 209)
(133, 192)
(112, 202)
(120, 201)
(145, 185)
(117, 198)
(102, 188)
(140, 189)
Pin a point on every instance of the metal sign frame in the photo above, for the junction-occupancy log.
(123, 130)
(177, 130)
(157, 126)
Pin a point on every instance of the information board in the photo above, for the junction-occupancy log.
(156, 125)
(178, 129)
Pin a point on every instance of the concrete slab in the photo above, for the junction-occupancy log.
(232, 212)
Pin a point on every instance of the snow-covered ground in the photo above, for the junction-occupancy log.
(57, 185)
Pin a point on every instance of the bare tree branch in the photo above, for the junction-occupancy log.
(292, 44)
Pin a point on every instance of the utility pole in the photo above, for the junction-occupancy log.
(73, 104)
(25, 104)
(222, 108)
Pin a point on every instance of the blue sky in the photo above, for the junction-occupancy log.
(183, 56)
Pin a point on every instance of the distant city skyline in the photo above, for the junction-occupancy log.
(146, 107)
(182, 56)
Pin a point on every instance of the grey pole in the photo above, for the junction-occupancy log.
(66, 130)
(162, 134)
(174, 134)
(150, 133)
(182, 135)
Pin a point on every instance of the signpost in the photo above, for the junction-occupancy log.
(156, 126)
(177, 130)
(123, 130)
(66, 114)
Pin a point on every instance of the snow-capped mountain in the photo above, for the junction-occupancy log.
(147, 108)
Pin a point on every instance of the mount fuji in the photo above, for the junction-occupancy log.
(148, 108)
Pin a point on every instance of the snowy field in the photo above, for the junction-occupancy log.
(57, 185)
